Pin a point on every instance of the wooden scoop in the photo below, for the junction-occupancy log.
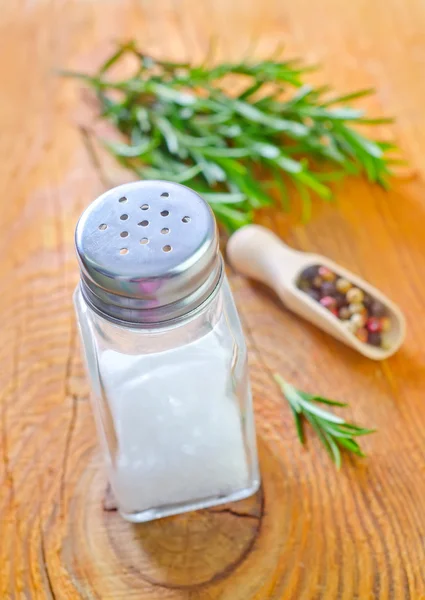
(260, 254)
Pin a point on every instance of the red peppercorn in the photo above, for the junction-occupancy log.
(328, 302)
(374, 325)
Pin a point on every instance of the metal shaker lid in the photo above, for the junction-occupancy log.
(148, 252)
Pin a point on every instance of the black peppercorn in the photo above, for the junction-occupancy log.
(310, 272)
(315, 294)
(377, 309)
(367, 301)
(328, 288)
(374, 338)
(341, 299)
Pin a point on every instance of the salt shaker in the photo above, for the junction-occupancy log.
(165, 352)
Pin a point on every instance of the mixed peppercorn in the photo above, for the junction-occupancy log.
(362, 315)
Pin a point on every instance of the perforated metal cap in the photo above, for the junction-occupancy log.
(148, 252)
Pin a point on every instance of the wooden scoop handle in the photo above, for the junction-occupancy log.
(259, 254)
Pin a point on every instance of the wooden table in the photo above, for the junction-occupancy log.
(313, 532)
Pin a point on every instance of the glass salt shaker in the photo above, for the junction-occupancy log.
(165, 352)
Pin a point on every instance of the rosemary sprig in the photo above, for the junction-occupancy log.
(178, 122)
(334, 433)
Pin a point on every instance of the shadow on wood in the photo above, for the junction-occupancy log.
(200, 548)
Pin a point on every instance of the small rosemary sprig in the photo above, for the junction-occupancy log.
(334, 433)
(178, 121)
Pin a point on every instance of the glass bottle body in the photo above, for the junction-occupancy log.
(173, 409)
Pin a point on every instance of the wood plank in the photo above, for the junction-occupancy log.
(312, 532)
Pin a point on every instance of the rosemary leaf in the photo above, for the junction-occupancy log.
(177, 121)
(333, 432)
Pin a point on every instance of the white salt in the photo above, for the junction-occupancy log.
(177, 424)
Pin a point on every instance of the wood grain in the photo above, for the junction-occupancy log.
(312, 533)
